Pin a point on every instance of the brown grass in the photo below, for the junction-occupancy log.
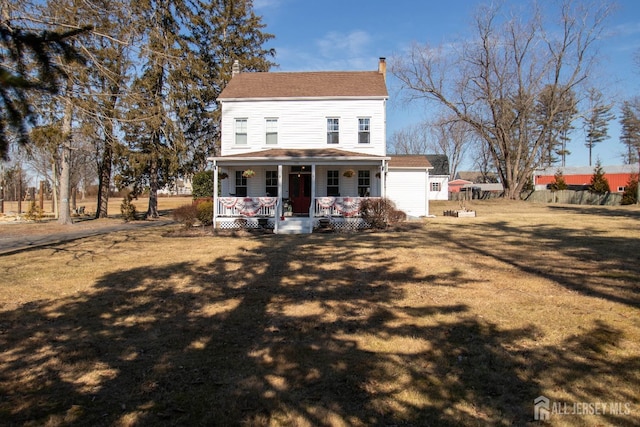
(456, 321)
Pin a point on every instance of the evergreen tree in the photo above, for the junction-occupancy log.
(597, 120)
(226, 31)
(630, 195)
(186, 61)
(105, 84)
(599, 183)
(630, 130)
(28, 66)
(202, 184)
(556, 112)
(558, 183)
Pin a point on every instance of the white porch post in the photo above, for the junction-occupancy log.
(383, 180)
(280, 182)
(215, 193)
(279, 204)
(312, 208)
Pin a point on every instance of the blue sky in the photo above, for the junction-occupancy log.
(313, 35)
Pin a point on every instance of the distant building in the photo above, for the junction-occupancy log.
(181, 187)
(580, 177)
(457, 184)
(478, 177)
(475, 179)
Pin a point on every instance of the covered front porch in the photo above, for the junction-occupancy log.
(295, 191)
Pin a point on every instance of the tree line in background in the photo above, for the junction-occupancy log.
(124, 92)
(510, 95)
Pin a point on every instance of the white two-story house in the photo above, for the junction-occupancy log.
(297, 147)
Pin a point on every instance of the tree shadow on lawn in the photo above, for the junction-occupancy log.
(281, 334)
(584, 260)
(629, 211)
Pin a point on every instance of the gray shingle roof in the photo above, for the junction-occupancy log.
(440, 163)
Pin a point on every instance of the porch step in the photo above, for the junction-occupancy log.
(295, 225)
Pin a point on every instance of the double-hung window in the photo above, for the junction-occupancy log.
(271, 129)
(241, 184)
(271, 183)
(333, 131)
(364, 131)
(333, 183)
(435, 186)
(241, 131)
(364, 183)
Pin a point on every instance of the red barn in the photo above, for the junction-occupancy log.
(618, 176)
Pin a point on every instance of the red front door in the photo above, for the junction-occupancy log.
(300, 193)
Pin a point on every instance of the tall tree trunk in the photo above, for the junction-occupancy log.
(104, 181)
(64, 211)
(106, 161)
(152, 211)
(54, 189)
(64, 207)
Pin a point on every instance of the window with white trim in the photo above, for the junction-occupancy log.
(333, 131)
(435, 186)
(364, 183)
(271, 183)
(241, 131)
(241, 184)
(271, 131)
(364, 133)
(333, 183)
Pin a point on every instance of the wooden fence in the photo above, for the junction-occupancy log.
(572, 197)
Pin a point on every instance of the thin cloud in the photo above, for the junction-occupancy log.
(262, 4)
(336, 44)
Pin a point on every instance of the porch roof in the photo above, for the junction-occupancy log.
(410, 162)
(299, 155)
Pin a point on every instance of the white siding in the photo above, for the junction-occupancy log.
(443, 194)
(303, 124)
(408, 190)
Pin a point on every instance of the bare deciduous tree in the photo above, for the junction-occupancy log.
(410, 140)
(492, 82)
(451, 137)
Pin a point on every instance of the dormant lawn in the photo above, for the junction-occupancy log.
(449, 321)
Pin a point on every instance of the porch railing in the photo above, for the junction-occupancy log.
(247, 206)
(243, 207)
(346, 207)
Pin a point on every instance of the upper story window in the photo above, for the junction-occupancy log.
(364, 133)
(241, 131)
(333, 183)
(333, 131)
(271, 127)
(364, 183)
(241, 184)
(271, 183)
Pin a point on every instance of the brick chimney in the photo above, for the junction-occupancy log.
(235, 70)
(382, 67)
